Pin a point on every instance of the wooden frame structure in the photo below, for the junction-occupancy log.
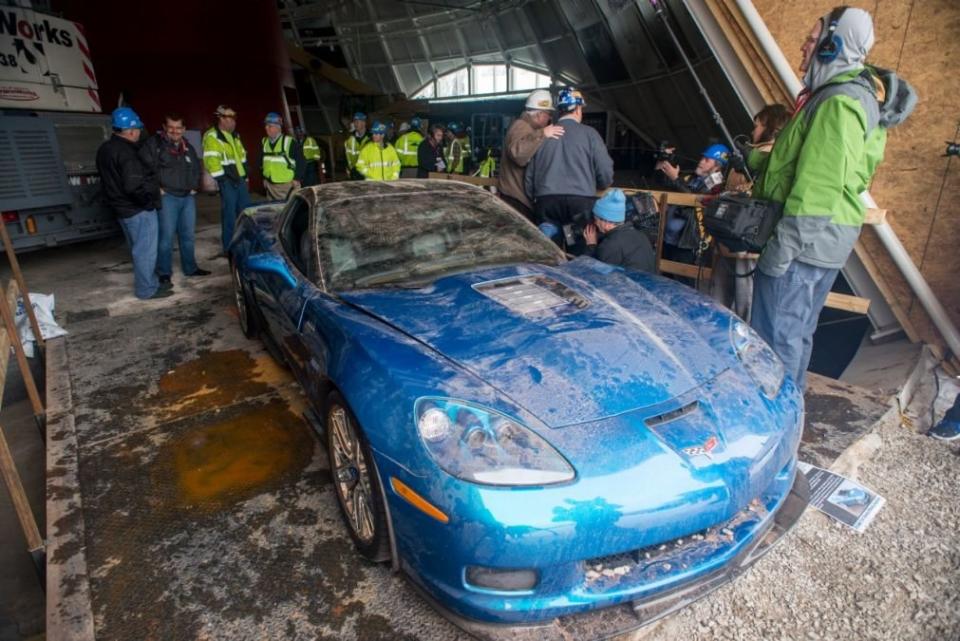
(10, 338)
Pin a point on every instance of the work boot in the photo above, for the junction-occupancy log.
(948, 429)
(164, 280)
(162, 293)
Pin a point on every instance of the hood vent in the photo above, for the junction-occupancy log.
(531, 294)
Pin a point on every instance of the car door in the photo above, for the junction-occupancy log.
(283, 299)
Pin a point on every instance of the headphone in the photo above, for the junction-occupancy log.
(832, 45)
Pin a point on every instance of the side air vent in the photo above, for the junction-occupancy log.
(531, 294)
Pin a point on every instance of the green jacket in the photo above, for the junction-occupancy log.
(822, 161)
(407, 145)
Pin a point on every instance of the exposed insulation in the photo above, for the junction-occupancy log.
(919, 187)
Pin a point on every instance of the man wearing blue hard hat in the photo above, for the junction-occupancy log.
(620, 243)
(455, 153)
(681, 235)
(355, 142)
(281, 160)
(563, 177)
(378, 160)
(132, 191)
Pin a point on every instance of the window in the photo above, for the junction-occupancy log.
(296, 242)
(454, 83)
(489, 79)
(426, 92)
(525, 79)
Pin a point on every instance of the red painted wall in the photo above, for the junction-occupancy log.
(188, 57)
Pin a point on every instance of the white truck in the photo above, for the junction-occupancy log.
(50, 128)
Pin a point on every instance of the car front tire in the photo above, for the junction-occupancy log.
(355, 481)
(248, 319)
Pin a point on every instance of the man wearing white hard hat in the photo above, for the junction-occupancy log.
(523, 139)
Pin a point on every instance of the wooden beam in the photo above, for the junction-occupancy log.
(685, 270)
(899, 313)
(848, 303)
(328, 72)
(5, 339)
(11, 327)
(18, 497)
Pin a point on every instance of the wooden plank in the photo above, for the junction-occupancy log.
(69, 608)
(28, 382)
(683, 269)
(661, 226)
(24, 292)
(5, 341)
(848, 303)
(886, 292)
(18, 497)
(328, 72)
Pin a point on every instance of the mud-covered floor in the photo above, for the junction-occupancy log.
(206, 499)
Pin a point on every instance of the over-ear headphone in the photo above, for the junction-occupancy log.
(831, 45)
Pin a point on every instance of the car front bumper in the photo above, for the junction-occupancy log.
(631, 614)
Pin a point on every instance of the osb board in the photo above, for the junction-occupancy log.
(918, 38)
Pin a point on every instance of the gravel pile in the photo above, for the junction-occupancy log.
(900, 580)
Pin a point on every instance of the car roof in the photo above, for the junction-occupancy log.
(335, 191)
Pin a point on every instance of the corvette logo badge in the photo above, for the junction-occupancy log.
(703, 450)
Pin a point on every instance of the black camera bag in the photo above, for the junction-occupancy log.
(741, 223)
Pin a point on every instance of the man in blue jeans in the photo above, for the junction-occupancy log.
(225, 158)
(131, 190)
(174, 161)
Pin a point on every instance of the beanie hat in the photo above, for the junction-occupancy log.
(612, 207)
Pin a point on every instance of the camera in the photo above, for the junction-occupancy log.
(667, 152)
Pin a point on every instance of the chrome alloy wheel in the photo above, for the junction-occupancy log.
(351, 475)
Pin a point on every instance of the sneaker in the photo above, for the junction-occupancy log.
(162, 293)
(945, 430)
(200, 272)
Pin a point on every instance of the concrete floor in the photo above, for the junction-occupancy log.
(206, 497)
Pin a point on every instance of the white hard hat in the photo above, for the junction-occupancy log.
(404, 126)
(540, 100)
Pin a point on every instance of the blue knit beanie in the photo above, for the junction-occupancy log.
(612, 207)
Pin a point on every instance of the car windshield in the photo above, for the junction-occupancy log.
(412, 239)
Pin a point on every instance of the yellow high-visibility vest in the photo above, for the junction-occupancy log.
(379, 163)
(407, 145)
(352, 146)
(279, 165)
(311, 150)
(222, 149)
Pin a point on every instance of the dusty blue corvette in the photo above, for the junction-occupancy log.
(534, 440)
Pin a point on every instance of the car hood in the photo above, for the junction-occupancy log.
(570, 344)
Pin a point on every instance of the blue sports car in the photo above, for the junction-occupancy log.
(535, 440)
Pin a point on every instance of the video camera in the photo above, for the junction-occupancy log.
(667, 152)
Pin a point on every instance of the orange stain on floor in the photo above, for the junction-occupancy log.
(227, 460)
(223, 460)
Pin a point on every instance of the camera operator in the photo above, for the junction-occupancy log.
(681, 237)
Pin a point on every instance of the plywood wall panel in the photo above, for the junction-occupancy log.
(921, 40)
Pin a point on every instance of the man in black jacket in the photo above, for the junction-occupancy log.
(173, 160)
(623, 244)
(131, 190)
(430, 153)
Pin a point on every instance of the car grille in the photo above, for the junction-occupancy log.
(637, 567)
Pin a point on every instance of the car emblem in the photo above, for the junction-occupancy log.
(703, 450)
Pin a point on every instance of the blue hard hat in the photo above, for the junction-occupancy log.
(718, 152)
(415, 123)
(570, 99)
(125, 118)
(273, 118)
(378, 127)
(454, 127)
(612, 207)
(359, 116)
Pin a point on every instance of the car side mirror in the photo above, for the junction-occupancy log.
(270, 264)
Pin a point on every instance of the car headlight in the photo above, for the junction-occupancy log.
(763, 364)
(484, 446)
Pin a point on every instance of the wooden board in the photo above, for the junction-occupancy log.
(13, 292)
